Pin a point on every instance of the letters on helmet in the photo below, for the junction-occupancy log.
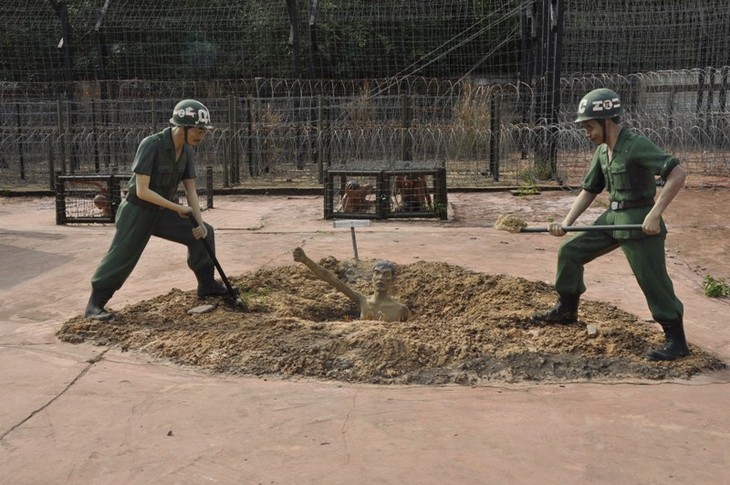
(582, 106)
(202, 114)
(183, 112)
(606, 104)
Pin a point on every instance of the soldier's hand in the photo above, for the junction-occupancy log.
(200, 232)
(651, 225)
(556, 229)
(184, 211)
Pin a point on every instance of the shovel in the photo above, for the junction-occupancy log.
(233, 297)
(617, 227)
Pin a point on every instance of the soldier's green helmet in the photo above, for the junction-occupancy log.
(599, 104)
(191, 113)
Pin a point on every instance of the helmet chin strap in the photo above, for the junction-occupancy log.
(602, 122)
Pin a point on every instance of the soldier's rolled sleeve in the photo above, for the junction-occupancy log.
(667, 167)
(594, 181)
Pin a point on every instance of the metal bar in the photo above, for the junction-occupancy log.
(617, 227)
(354, 242)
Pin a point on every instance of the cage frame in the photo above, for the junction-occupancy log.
(113, 183)
(384, 193)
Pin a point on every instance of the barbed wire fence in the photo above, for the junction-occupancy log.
(295, 87)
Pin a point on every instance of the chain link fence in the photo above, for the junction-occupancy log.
(289, 132)
(487, 88)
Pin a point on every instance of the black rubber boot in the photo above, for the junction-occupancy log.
(675, 344)
(207, 285)
(564, 311)
(95, 307)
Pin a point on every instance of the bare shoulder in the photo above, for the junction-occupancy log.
(405, 312)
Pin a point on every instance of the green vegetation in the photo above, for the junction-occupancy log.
(231, 39)
(527, 184)
(440, 209)
(715, 287)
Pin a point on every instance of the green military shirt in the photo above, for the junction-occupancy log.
(629, 176)
(156, 157)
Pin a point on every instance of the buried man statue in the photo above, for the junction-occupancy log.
(378, 306)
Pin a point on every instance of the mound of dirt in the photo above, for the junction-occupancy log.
(468, 328)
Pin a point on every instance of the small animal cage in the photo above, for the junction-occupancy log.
(396, 191)
(96, 198)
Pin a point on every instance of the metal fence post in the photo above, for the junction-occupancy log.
(320, 141)
(61, 137)
(406, 118)
(209, 185)
(227, 145)
(60, 200)
(51, 164)
(494, 126)
(72, 161)
(20, 141)
(154, 115)
(249, 134)
(234, 144)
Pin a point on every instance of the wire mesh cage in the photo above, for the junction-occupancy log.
(95, 198)
(395, 190)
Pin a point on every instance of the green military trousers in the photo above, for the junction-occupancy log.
(134, 227)
(645, 256)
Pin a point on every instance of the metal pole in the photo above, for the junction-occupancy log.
(554, 71)
(354, 242)
(406, 117)
(73, 162)
(227, 158)
(61, 136)
(494, 135)
(154, 115)
(320, 140)
(209, 185)
(236, 154)
(60, 200)
(249, 135)
(20, 141)
(51, 164)
(94, 136)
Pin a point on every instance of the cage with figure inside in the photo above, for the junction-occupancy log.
(96, 198)
(381, 191)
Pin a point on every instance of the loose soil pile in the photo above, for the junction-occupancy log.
(509, 223)
(468, 328)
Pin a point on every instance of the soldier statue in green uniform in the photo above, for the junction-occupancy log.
(625, 164)
(163, 160)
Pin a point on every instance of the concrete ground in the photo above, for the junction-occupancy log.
(81, 414)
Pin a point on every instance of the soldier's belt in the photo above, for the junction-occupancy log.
(630, 204)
